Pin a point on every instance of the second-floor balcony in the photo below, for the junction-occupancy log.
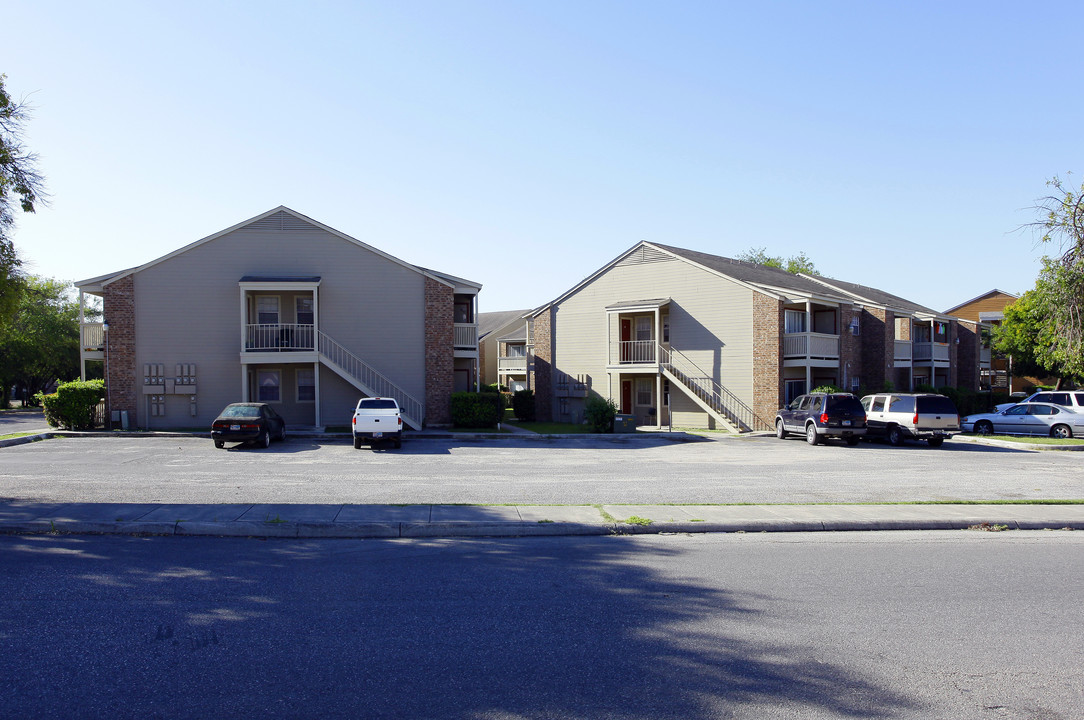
(810, 346)
(633, 352)
(925, 352)
(279, 337)
(902, 351)
(92, 336)
(465, 336)
(514, 365)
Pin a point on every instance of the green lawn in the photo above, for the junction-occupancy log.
(16, 435)
(1030, 440)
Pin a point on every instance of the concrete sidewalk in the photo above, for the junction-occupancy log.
(431, 521)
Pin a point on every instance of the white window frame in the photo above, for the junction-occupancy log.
(277, 372)
(297, 385)
(638, 388)
(298, 299)
(642, 326)
(278, 309)
(666, 328)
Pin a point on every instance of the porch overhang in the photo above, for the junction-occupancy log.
(638, 305)
(279, 282)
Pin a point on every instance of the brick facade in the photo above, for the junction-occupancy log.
(439, 352)
(541, 374)
(850, 347)
(878, 333)
(767, 357)
(968, 354)
(120, 371)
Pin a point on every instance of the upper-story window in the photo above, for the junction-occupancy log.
(794, 321)
(920, 333)
(666, 328)
(462, 312)
(305, 314)
(267, 309)
(643, 328)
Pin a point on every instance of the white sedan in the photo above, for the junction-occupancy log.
(1027, 419)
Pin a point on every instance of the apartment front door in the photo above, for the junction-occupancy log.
(626, 397)
(626, 340)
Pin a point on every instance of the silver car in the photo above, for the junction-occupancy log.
(1027, 419)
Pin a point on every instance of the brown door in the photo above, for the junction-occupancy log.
(626, 397)
(626, 338)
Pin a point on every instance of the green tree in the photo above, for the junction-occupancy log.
(1025, 336)
(41, 342)
(1058, 297)
(19, 179)
(799, 263)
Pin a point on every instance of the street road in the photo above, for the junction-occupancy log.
(549, 472)
(953, 625)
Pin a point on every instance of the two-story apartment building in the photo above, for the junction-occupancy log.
(684, 338)
(502, 346)
(285, 310)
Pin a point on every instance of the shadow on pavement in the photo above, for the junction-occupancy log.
(529, 628)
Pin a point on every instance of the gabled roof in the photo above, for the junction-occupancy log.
(985, 295)
(287, 214)
(774, 282)
(873, 296)
(491, 322)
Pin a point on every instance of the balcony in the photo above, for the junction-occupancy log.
(465, 336)
(92, 336)
(927, 352)
(902, 353)
(279, 337)
(515, 365)
(811, 348)
(633, 352)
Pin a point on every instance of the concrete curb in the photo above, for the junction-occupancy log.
(313, 530)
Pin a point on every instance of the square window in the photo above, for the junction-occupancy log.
(643, 391)
(267, 310)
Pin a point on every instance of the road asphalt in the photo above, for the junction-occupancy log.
(433, 521)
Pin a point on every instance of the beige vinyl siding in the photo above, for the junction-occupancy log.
(710, 322)
(188, 309)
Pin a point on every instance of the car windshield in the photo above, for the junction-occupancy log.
(241, 411)
(377, 403)
(936, 405)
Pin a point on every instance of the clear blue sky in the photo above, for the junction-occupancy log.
(524, 145)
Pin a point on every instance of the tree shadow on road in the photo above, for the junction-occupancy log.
(521, 628)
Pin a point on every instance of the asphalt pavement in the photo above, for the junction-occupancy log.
(299, 520)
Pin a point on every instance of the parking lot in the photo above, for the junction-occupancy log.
(640, 470)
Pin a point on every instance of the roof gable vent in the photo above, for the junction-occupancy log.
(644, 255)
(281, 221)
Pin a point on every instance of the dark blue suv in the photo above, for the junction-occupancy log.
(820, 415)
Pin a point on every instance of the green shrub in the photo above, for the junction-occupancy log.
(600, 414)
(492, 388)
(523, 405)
(827, 389)
(72, 406)
(476, 410)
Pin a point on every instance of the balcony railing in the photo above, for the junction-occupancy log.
(810, 346)
(631, 352)
(985, 357)
(516, 364)
(925, 352)
(466, 336)
(92, 335)
(903, 350)
(278, 337)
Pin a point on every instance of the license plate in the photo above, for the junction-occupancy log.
(235, 427)
(379, 434)
(846, 423)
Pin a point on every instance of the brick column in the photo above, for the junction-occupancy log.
(439, 352)
(767, 357)
(850, 348)
(878, 336)
(542, 376)
(122, 388)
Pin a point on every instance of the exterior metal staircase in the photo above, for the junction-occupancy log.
(365, 378)
(713, 398)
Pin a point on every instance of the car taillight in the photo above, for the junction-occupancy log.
(824, 418)
(354, 421)
(914, 420)
(400, 421)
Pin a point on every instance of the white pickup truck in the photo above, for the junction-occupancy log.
(377, 419)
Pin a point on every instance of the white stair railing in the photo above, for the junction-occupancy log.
(371, 380)
(722, 401)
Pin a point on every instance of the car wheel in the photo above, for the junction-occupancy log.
(780, 431)
(811, 435)
(935, 442)
(1062, 432)
(264, 440)
(357, 443)
(852, 440)
(282, 433)
(398, 444)
(220, 444)
(895, 435)
(984, 427)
